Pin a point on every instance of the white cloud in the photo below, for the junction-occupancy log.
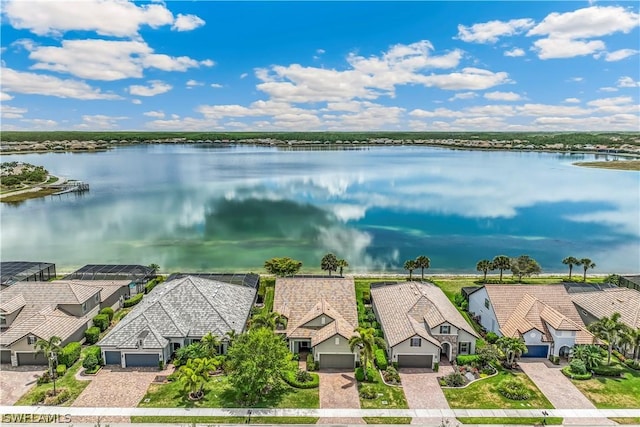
(463, 95)
(136, 101)
(595, 21)
(626, 81)
(619, 55)
(193, 83)
(320, 51)
(608, 89)
(489, 32)
(187, 22)
(99, 121)
(40, 123)
(607, 102)
(156, 87)
(243, 75)
(502, 96)
(216, 85)
(5, 97)
(156, 114)
(106, 59)
(576, 79)
(551, 110)
(515, 52)
(41, 84)
(572, 101)
(553, 48)
(9, 112)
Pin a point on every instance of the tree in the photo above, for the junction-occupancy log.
(589, 354)
(282, 267)
(50, 349)
(342, 263)
(512, 348)
(608, 329)
(367, 341)
(423, 262)
(410, 265)
(267, 320)
(155, 267)
(210, 343)
(586, 264)
(570, 261)
(195, 374)
(488, 354)
(635, 344)
(230, 337)
(485, 266)
(256, 362)
(501, 262)
(329, 263)
(524, 265)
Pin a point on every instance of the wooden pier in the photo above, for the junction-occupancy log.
(70, 187)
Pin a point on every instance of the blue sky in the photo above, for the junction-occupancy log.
(236, 66)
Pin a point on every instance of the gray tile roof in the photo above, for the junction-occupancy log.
(184, 307)
(405, 307)
(625, 301)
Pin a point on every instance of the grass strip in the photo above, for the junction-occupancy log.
(506, 421)
(223, 420)
(387, 420)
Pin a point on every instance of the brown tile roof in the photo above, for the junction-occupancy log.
(405, 307)
(13, 304)
(606, 302)
(520, 308)
(304, 299)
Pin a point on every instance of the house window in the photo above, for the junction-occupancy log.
(416, 342)
(323, 320)
(84, 307)
(97, 297)
(464, 348)
(486, 302)
(3, 319)
(31, 339)
(337, 340)
(445, 329)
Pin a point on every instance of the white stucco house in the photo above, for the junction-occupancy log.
(543, 315)
(421, 326)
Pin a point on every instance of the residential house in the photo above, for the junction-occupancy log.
(594, 304)
(137, 275)
(321, 317)
(30, 311)
(420, 325)
(177, 313)
(543, 315)
(25, 271)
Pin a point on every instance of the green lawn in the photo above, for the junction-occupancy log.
(219, 394)
(626, 420)
(224, 420)
(68, 382)
(611, 393)
(507, 421)
(387, 420)
(483, 395)
(393, 396)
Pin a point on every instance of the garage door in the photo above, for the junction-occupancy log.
(537, 351)
(32, 359)
(112, 357)
(141, 359)
(337, 361)
(415, 361)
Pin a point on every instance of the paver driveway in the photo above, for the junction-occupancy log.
(422, 390)
(559, 390)
(339, 389)
(16, 381)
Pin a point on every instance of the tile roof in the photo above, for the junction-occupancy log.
(625, 301)
(12, 304)
(520, 308)
(184, 307)
(304, 299)
(405, 307)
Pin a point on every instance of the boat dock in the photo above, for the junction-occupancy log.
(70, 187)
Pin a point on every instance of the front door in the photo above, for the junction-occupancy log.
(176, 346)
(304, 346)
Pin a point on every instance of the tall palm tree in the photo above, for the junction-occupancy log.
(636, 344)
(266, 320)
(195, 374)
(608, 329)
(329, 263)
(211, 343)
(366, 341)
(586, 264)
(342, 263)
(570, 261)
(423, 262)
(485, 266)
(589, 354)
(512, 348)
(502, 263)
(50, 349)
(410, 265)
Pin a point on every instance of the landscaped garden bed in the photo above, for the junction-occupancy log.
(375, 394)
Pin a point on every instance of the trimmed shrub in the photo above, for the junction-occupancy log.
(70, 353)
(467, 359)
(311, 364)
(367, 391)
(132, 301)
(109, 312)
(360, 374)
(61, 370)
(391, 375)
(62, 396)
(491, 337)
(92, 334)
(96, 351)
(45, 378)
(454, 379)
(101, 321)
(608, 371)
(290, 378)
(381, 359)
(514, 389)
(578, 367)
(554, 359)
(569, 373)
(192, 351)
(90, 362)
(436, 367)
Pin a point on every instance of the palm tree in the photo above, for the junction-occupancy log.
(329, 263)
(608, 329)
(501, 262)
(50, 349)
(342, 263)
(570, 261)
(586, 264)
(194, 375)
(211, 343)
(485, 266)
(367, 341)
(626, 339)
(410, 265)
(589, 354)
(266, 320)
(636, 344)
(512, 348)
(230, 337)
(423, 262)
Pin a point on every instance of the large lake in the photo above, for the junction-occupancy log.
(203, 208)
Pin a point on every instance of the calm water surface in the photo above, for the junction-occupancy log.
(195, 208)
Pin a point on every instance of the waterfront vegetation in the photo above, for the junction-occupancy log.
(627, 165)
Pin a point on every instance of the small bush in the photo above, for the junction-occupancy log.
(568, 373)
(368, 392)
(132, 301)
(45, 378)
(467, 359)
(92, 334)
(96, 351)
(61, 370)
(491, 337)
(311, 364)
(70, 353)
(360, 374)
(554, 359)
(90, 362)
(391, 375)
(578, 367)
(608, 371)
(38, 396)
(101, 321)
(290, 378)
(381, 359)
(454, 379)
(303, 376)
(109, 312)
(61, 397)
(436, 367)
(514, 389)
